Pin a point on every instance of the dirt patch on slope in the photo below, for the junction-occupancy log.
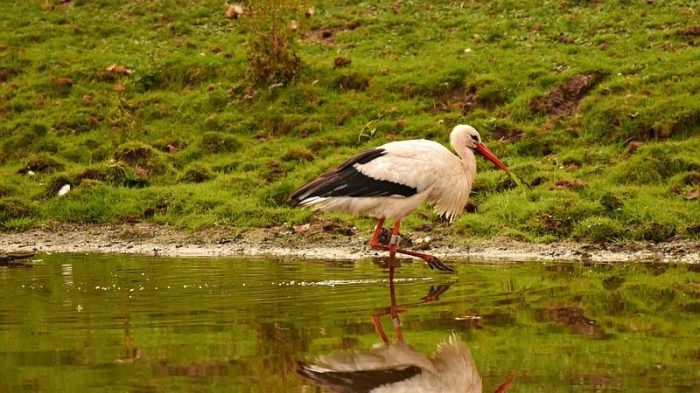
(564, 99)
(692, 31)
(326, 35)
(506, 134)
(457, 99)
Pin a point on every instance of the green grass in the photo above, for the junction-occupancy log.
(184, 135)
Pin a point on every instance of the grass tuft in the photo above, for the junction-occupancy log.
(12, 208)
(41, 163)
(217, 142)
(599, 229)
(142, 158)
(196, 173)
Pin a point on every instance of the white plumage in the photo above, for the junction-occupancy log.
(392, 180)
(398, 368)
(438, 176)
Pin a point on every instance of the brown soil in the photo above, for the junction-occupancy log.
(133, 155)
(563, 100)
(569, 184)
(506, 134)
(41, 164)
(326, 35)
(6, 74)
(456, 99)
(62, 82)
(692, 31)
(322, 240)
(341, 61)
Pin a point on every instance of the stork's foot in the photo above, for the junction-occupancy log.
(431, 261)
(435, 293)
(434, 263)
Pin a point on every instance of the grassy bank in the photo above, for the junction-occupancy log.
(144, 109)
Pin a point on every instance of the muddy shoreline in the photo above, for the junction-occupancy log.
(315, 242)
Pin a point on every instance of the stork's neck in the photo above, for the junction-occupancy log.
(468, 161)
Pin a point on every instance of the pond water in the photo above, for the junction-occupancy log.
(95, 323)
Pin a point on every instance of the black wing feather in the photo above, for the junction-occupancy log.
(347, 181)
(361, 381)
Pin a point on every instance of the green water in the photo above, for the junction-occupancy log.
(94, 323)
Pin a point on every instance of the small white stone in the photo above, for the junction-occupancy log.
(64, 190)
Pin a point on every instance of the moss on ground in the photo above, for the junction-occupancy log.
(145, 110)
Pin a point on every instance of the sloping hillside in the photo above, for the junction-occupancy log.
(144, 109)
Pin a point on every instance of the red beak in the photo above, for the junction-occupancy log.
(488, 154)
(506, 384)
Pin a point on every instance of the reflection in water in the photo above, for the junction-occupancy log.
(398, 367)
(100, 323)
(573, 317)
(129, 351)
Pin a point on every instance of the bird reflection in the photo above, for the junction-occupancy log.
(394, 367)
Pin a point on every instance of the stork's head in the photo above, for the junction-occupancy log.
(467, 136)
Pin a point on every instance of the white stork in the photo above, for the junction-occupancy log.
(392, 180)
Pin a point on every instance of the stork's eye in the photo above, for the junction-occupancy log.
(475, 138)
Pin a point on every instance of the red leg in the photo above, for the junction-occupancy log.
(393, 242)
(379, 329)
(433, 262)
(394, 309)
(374, 240)
(393, 312)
